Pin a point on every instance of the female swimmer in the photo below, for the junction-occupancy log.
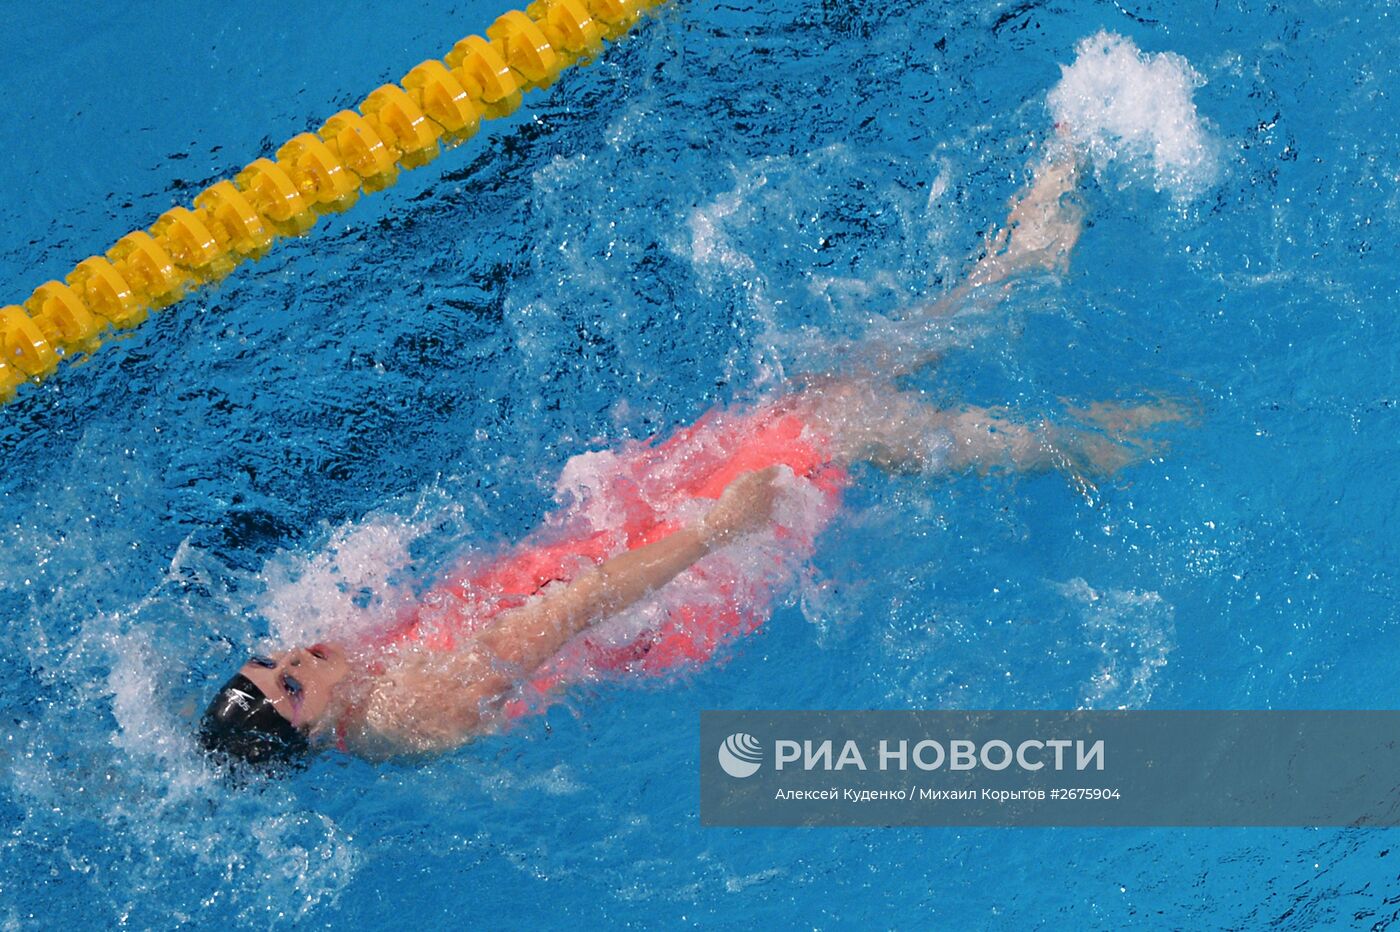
(651, 534)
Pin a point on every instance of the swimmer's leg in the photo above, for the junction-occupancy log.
(1041, 228)
(898, 431)
(987, 439)
(1040, 231)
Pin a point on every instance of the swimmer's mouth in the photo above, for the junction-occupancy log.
(319, 651)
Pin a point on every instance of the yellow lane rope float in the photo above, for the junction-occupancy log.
(438, 104)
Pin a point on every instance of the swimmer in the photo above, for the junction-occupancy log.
(656, 530)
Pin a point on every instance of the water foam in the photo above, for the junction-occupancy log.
(355, 584)
(1133, 632)
(1123, 107)
(100, 778)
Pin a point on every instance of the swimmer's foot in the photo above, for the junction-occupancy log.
(1113, 441)
(1087, 455)
(1119, 419)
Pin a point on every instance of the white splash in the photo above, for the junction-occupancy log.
(1133, 632)
(150, 734)
(709, 244)
(1120, 105)
(354, 584)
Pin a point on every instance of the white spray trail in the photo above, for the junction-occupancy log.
(1120, 106)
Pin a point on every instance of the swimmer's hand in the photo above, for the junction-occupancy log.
(745, 506)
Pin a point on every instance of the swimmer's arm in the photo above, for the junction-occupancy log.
(526, 637)
(434, 703)
(440, 702)
(437, 703)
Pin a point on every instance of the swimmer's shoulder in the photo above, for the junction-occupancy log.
(418, 706)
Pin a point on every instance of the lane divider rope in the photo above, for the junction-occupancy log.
(437, 105)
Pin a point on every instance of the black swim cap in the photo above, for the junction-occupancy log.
(242, 726)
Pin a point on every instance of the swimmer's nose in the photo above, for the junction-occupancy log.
(310, 656)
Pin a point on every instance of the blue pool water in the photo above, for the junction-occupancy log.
(701, 212)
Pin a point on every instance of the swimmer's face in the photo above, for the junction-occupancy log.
(299, 683)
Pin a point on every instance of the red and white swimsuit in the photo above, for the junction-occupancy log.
(614, 501)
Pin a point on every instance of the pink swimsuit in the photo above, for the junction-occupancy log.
(615, 501)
